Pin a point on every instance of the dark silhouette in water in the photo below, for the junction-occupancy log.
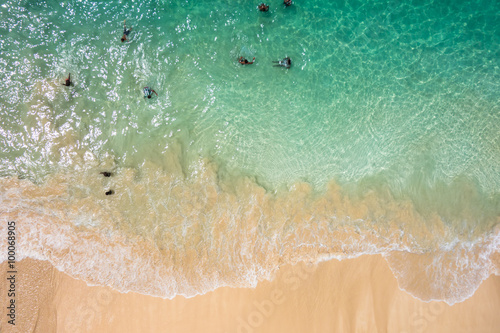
(125, 31)
(106, 173)
(286, 62)
(68, 82)
(243, 61)
(110, 192)
(148, 92)
(263, 7)
(287, 2)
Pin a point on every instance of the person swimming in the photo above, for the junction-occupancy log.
(148, 92)
(287, 2)
(125, 32)
(244, 61)
(286, 62)
(263, 7)
(68, 82)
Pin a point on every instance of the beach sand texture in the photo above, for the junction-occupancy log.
(354, 295)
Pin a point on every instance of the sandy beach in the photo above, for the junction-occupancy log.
(356, 295)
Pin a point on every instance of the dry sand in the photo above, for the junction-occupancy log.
(356, 295)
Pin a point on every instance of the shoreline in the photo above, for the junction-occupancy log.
(352, 295)
(219, 238)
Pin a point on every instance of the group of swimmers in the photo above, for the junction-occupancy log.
(107, 174)
(148, 92)
(286, 62)
(264, 8)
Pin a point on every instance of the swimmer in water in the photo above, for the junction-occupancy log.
(263, 7)
(287, 2)
(148, 92)
(286, 62)
(243, 61)
(68, 82)
(125, 31)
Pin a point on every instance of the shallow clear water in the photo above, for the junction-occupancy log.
(382, 137)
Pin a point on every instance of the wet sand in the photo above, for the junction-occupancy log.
(355, 295)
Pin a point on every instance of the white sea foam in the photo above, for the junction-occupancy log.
(165, 235)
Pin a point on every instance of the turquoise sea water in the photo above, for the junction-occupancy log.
(383, 137)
